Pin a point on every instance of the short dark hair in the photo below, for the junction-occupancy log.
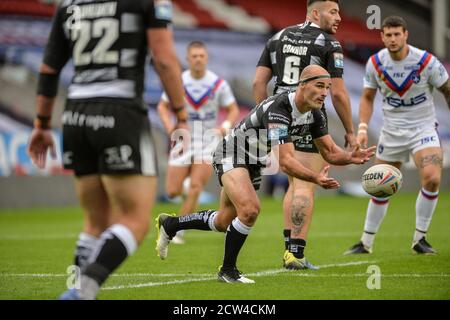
(394, 22)
(196, 44)
(310, 2)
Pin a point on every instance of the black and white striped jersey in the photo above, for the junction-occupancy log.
(106, 40)
(294, 48)
(274, 121)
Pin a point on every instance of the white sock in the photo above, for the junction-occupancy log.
(86, 244)
(376, 210)
(425, 205)
(212, 221)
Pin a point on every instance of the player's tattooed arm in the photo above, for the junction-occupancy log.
(445, 89)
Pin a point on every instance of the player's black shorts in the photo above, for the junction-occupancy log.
(223, 162)
(305, 143)
(107, 137)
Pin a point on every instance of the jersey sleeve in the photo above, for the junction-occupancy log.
(57, 51)
(264, 60)
(335, 59)
(438, 76)
(226, 96)
(320, 126)
(370, 80)
(157, 13)
(278, 122)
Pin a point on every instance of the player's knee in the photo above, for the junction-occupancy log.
(195, 187)
(249, 213)
(302, 199)
(173, 191)
(432, 181)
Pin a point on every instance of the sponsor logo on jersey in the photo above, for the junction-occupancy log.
(338, 60)
(396, 103)
(277, 131)
(380, 149)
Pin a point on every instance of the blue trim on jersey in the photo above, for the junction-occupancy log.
(199, 101)
(408, 78)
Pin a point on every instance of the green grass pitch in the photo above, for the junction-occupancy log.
(36, 247)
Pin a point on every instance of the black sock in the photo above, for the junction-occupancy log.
(287, 237)
(234, 240)
(297, 246)
(111, 255)
(200, 221)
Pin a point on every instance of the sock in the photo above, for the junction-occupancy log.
(234, 240)
(287, 237)
(297, 246)
(85, 246)
(117, 243)
(203, 220)
(376, 211)
(425, 205)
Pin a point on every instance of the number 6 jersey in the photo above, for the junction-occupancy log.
(107, 43)
(292, 49)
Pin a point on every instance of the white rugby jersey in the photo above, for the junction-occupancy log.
(406, 86)
(203, 98)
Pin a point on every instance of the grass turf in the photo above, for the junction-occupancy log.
(36, 247)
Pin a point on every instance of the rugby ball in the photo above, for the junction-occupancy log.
(382, 180)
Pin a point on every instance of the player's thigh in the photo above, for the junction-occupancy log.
(200, 174)
(174, 179)
(239, 188)
(312, 161)
(429, 161)
(94, 201)
(130, 194)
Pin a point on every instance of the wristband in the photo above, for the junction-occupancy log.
(42, 122)
(362, 131)
(226, 124)
(363, 125)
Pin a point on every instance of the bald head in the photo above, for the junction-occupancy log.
(313, 88)
(313, 72)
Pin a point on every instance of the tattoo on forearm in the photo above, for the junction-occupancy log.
(298, 214)
(432, 159)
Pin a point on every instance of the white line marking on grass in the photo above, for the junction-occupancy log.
(255, 274)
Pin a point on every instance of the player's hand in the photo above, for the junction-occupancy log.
(360, 156)
(326, 182)
(40, 143)
(350, 140)
(362, 139)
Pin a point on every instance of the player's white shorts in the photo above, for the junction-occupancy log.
(395, 145)
(184, 156)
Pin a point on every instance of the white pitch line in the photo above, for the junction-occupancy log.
(255, 274)
(131, 275)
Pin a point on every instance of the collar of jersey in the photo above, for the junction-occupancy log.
(197, 103)
(399, 89)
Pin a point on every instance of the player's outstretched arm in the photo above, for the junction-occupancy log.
(445, 90)
(292, 167)
(232, 117)
(165, 116)
(331, 152)
(365, 113)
